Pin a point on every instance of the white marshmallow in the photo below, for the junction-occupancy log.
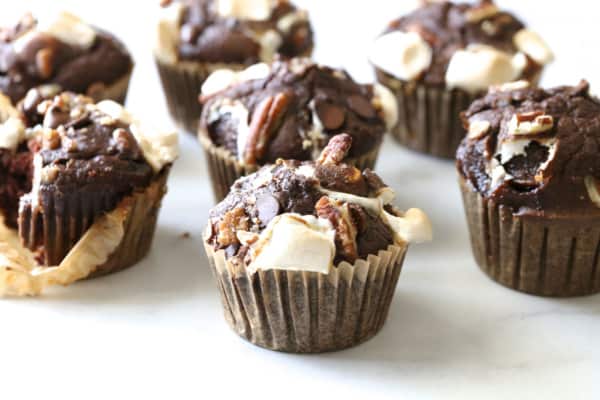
(388, 103)
(12, 130)
(479, 66)
(534, 46)
(223, 78)
(167, 32)
(404, 55)
(255, 10)
(295, 242)
(591, 185)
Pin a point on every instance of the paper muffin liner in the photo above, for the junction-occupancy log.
(429, 117)
(58, 233)
(539, 255)
(225, 169)
(116, 91)
(308, 312)
(182, 83)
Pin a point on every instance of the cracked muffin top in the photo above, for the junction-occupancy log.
(59, 49)
(311, 215)
(290, 110)
(231, 31)
(534, 150)
(460, 45)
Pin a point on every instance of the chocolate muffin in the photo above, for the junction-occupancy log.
(197, 37)
(529, 171)
(444, 55)
(81, 187)
(307, 254)
(289, 109)
(61, 49)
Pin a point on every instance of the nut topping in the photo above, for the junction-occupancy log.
(530, 123)
(233, 221)
(345, 231)
(265, 119)
(336, 150)
(44, 60)
(478, 129)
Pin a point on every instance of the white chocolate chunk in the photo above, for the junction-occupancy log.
(534, 46)
(404, 55)
(295, 242)
(537, 124)
(385, 99)
(477, 67)
(478, 128)
(254, 10)
(591, 185)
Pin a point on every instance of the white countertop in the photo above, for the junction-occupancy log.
(156, 330)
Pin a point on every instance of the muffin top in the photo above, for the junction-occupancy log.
(311, 215)
(231, 31)
(460, 45)
(290, 110)
(59, 49)
(534, 150)
(73, 145)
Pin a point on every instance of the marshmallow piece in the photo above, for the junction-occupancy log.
(413, 227)
(479, 66)
(591, 185)
(223, 78)
(534, 46)
(530, 123)
(12, 130)
(167, 32)
(254, 10)
(510, 86)
(297, 243)
(270, 42)
(404, 55)
(388, 103)
(159, 148)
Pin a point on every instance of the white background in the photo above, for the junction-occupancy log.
(156, 330)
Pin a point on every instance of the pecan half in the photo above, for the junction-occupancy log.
(233, 221)
(345, 231)
(336, 150)
(265, 119)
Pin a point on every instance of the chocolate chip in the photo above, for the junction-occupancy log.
(361, 106)
(267, 207)
(55, 117)
(331, 115)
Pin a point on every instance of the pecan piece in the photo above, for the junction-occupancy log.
(336, 150)
(233, 221)
(44, 60)
(345, 231)
(265, 119)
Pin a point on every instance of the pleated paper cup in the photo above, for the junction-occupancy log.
(539, 255)
(225, 169)
(116, 91)
(429, 117)
(308, 312)
(57, 232)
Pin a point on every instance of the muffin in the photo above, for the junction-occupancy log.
(61, 49)
(307, 254)
(290, 110)
(529, 172)
(81, 187)
(197, 37)
(441, 57)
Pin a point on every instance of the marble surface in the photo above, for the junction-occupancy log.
(156, 330)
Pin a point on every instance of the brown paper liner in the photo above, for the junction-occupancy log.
(116, 91)
(182, 84)
(58, 233)
(429, 117)
(309, 312)
(225, 169)
(539, 255)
